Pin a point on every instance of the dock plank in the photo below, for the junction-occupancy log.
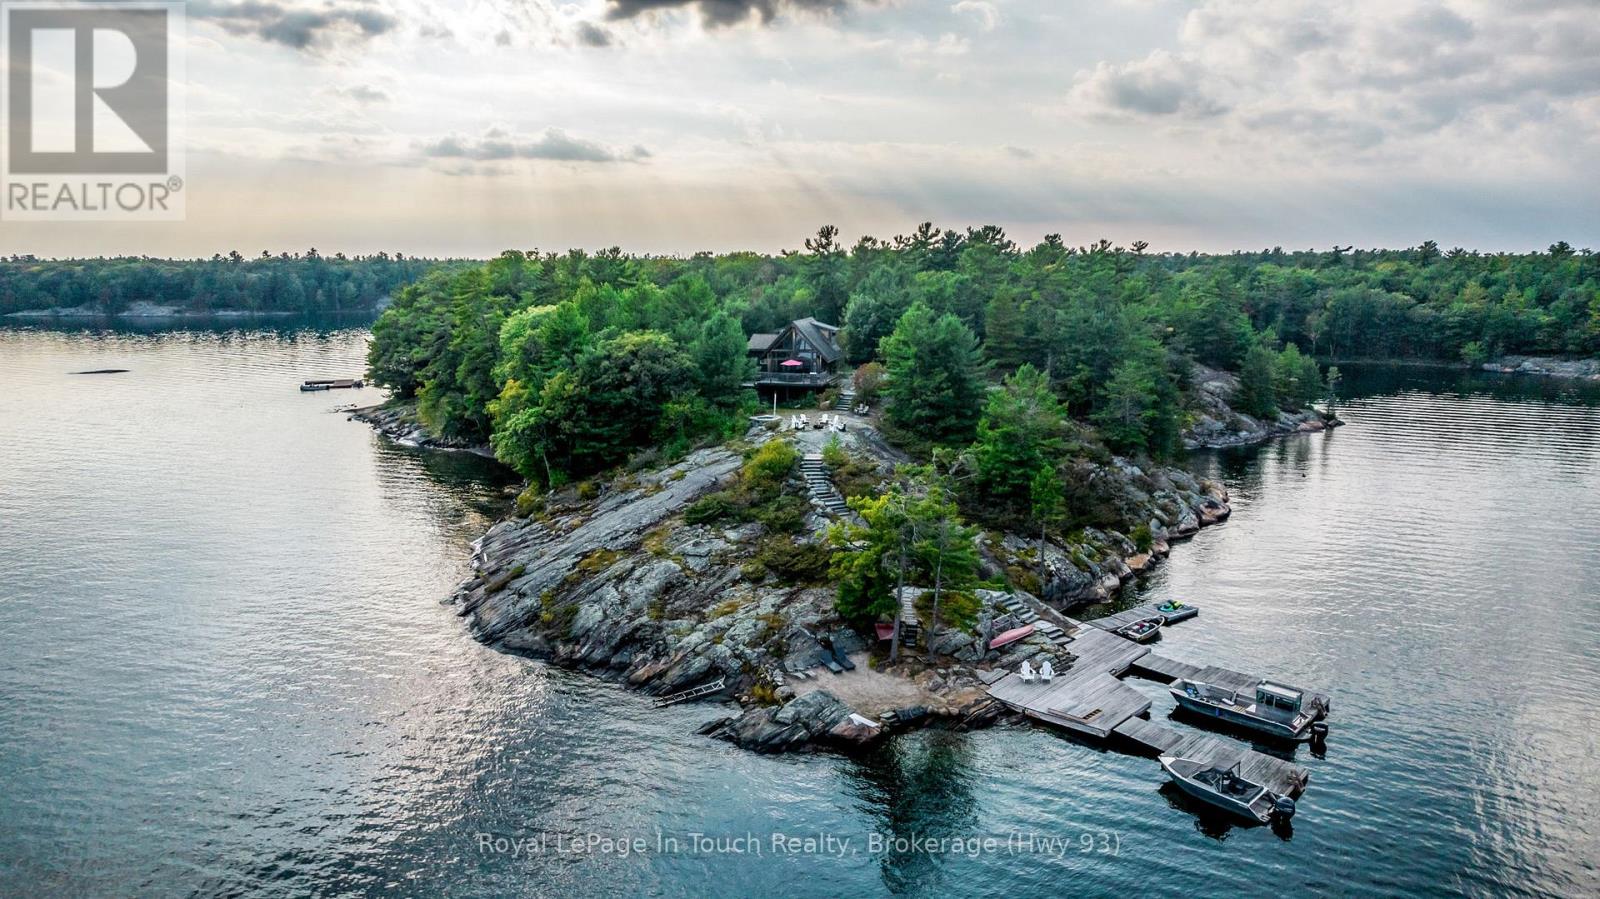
(1161, 668)
(1277, 775)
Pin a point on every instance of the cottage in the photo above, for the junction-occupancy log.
(804, 355)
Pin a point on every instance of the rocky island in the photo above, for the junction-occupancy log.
(622, 578)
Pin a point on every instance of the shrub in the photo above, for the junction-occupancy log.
(795, 561)
(530, 502)
(868, 382)
(709, 508)
(769, 465)
(784, 515)
(1142, 538)
(833, 453)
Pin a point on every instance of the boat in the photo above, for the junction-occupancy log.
(1274, 709)
(1142, 631)
(1227, 789)
(1174, 610)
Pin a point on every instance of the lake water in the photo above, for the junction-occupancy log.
(225, 670)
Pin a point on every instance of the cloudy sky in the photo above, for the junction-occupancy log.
(462, 128)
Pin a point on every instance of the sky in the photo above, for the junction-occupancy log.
(672, 126)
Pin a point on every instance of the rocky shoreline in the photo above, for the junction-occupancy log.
(400, 423)
(610, 578)
(1217, 424)
(1545, 366)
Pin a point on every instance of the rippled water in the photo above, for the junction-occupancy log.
(226, 672)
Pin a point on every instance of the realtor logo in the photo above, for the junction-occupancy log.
(91, 115)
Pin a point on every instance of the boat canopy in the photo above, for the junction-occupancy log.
(1278, 695)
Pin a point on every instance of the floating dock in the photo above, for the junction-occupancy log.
(1089, 698)
(1275, 774)
(332, 384)
(1117, 620)
(1160, 668)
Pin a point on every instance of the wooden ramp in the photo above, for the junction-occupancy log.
(1088, 697)
(1275, 774)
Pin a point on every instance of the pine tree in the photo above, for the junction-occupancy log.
(1004, 333)
(1021, 431)
(935, 377)
(1257, 394)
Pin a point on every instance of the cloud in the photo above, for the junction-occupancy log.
(987, 13)
(716, 13)
(1378, 75)
(591, 35)
(1158, 85)
(364, 94)
(554, 144)
(295, 27)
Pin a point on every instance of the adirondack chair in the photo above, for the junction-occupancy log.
(1047, 672)
(1026, 672)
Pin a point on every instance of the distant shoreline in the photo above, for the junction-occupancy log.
(167, 312)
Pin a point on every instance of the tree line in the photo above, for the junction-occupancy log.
(306, 282)
(567, 362)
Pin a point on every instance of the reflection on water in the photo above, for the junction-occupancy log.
(227, 670)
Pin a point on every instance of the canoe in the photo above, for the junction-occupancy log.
(1011, 636)
(1227, 789)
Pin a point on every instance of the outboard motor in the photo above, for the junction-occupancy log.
(1282, 809)
(1319, 734)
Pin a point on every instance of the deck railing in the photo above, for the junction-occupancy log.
(807, 378)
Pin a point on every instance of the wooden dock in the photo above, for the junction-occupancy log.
(1152, 666)
(1088, 697)
(1126, 617)
(1275, 774)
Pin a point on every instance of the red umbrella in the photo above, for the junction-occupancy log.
(791, 363)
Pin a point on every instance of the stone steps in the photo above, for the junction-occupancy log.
(1027, 615)
(846, 401)
(820, 484)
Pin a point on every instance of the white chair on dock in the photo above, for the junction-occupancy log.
(1026, 672)
(1047, 672)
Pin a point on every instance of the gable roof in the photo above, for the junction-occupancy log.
(761, 342)
(820, 335)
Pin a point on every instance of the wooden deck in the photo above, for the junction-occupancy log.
(1277, 775)
(1086, 698)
